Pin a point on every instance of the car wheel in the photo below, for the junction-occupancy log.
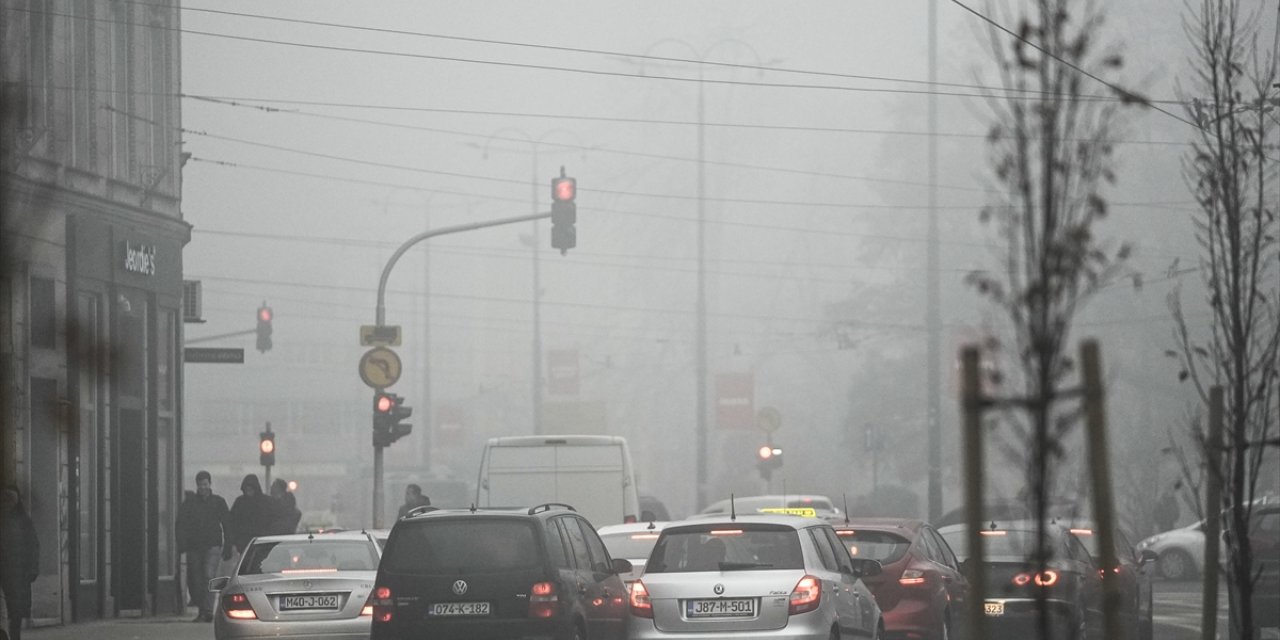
(1175, 564)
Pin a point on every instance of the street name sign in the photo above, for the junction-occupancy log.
(213, 354)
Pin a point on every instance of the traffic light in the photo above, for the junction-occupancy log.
(265, 314)
(388, 412)
(768, 458)
(564, 213)
(266, 448)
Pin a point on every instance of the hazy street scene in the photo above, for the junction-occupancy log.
(914, 319)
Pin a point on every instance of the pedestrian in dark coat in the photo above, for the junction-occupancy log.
(201, 519)
(413, 498)
(250, 516)
(19, 558)
(287, 515)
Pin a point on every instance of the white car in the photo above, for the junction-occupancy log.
(1180, 552)
(633, 542)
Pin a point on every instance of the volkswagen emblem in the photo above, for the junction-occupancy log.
(459, 587)
(719, 589)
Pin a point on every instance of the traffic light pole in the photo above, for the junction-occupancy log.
(380, 316)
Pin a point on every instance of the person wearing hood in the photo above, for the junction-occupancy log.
(19, 558)
(285, 506)
(250, 517)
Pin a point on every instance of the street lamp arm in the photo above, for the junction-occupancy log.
(380, 311)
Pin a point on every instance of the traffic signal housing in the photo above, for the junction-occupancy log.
(564, 213)
(267, 448)
(389, 413)
(768, 458)
(265, 315)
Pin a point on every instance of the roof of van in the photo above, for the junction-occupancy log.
(567, 440)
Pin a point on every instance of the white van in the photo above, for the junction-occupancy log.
(593, 474)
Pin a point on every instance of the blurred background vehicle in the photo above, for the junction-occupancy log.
(749, 505)
(632, 542)
(921, 590)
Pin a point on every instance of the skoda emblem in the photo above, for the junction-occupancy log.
(460, 587)
(719, 589)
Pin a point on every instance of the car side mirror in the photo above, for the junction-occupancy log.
(1147, 556)
(218, 584)
(621, 566)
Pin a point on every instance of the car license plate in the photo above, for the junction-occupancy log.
(720, 608)
(309, 601)
(459, 609)
(993, 608)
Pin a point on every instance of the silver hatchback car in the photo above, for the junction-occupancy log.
(762, 577)
(307, 585)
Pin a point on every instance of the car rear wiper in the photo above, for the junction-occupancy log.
(738, 566)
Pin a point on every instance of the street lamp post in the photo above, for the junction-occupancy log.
(534, 184)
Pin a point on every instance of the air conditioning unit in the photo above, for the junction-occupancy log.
(192, 301)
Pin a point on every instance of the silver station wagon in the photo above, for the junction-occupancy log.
(308, 585)
(753, 577)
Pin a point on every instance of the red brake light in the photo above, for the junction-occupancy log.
(912, 577)
(236, 606)
(1047, 578)
(1022, 579)
(378, 605)
(641, 606)
(543, 600)
(806, 596)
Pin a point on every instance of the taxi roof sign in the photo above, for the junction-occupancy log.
(803, 512)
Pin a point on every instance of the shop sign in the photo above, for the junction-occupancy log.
(140, 258)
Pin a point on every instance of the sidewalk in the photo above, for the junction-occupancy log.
(159, 628)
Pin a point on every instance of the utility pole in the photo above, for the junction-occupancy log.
(427, 414)
(700, 338)
(933, 314)
(537, 300)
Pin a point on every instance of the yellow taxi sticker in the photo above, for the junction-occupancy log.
(803, 512)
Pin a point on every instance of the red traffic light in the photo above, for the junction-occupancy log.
(765, 452)
(264, 314)
(267, 445)
(564, 189)
(383, 404)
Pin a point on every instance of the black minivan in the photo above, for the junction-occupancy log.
(477, 574)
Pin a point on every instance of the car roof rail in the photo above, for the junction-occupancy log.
(547, 506)
(417, 511)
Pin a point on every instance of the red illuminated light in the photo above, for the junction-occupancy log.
(726, 532)
(641, 605)
(543, 600)
(806, 596)
(383, 404)
(564, 189)
(268, 446)
(765, 452)
(264, 314)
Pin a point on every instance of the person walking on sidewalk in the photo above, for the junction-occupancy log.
(413, 498)
(201, 519)
(19, 558)
(285, 515)
(250, 517)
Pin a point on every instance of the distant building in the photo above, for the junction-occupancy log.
(91, 308)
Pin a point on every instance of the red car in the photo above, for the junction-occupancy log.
(921, 591)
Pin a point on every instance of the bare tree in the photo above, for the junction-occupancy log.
(1052, 159)
(1233, 101)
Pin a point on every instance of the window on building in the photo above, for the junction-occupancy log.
(43, 314)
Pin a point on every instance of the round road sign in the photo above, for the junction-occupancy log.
(380, 367)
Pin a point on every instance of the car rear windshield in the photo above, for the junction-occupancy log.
(309, 556)
(875, 545)
(631, 545)
(726, 547)
(481, 545)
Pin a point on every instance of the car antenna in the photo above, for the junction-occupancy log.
(311, 535)
(993, 525)
(651, 527)
(844, 497)
(733, 509)
(473, 507)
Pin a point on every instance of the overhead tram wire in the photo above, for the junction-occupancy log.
(614, 54)
(1005, 93)
(611, 192)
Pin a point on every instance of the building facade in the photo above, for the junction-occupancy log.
(91, 307)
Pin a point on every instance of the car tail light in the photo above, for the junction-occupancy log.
(641, 606)
(806, 596)
(1046, 578)
(911, 577)
(543, 600)
(379, 605)
(237, 607)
